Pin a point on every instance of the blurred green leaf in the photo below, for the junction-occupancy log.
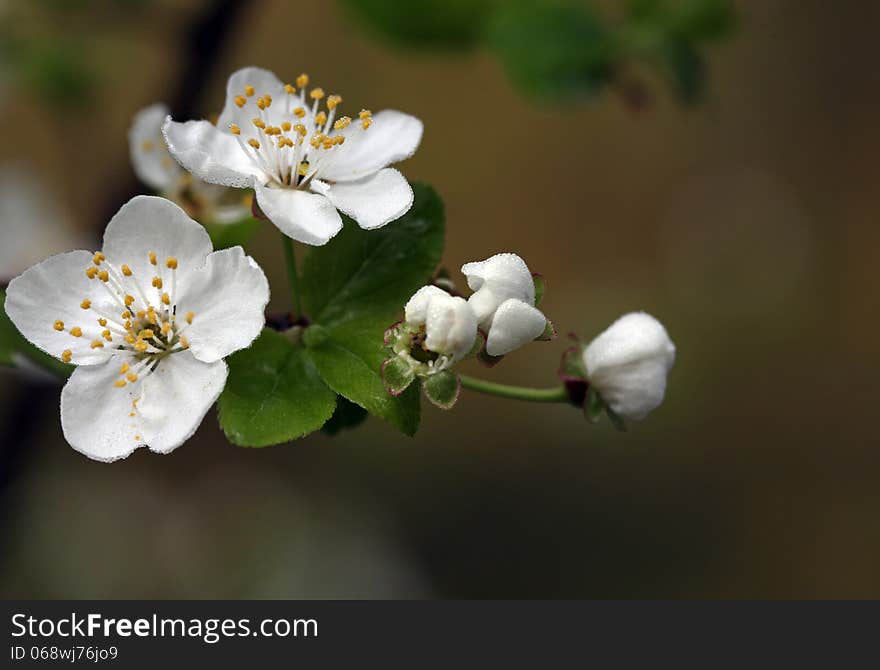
(372, 273)
(424, 23)
(225, 235)
(702, 20)
(57, 71)
(554, 49)
(273, 394)
(687, 71)
(13, 344)
(347, 416)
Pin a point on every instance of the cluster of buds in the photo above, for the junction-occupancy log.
(440, 329)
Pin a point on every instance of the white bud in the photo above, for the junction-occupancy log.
(416, 309)
(628, 363)
(504, 302)
(449, 322)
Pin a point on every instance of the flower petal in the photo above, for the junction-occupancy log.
(50, 292)
(496, 279)
(515, 324)
(392, 137)
(227, 296)
(306, 217)
(416, 309)
(150, 224)
(263, 81)
(372, 201)
(150, 159)
(210, 154)
(168, 405)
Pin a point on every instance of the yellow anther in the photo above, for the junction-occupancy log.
(366, 123)
(261, 103)
(152, 258)
(320, 119)
(365, 114)
(234, 129)
(132, 414)
(240, 100)
(285, 126)
(166, 328)
(151, 317)
(289, 89)
(190, 316)
(302, 80)
(104, 276)
(258, 123)
(339, 139)
(140, 345)
(166, 300)
(157, 282)
(129, 300)
(344, 122)
(267, 99)
(130, 339)
(248, 90)
(98, 257)
(148, 145)
(127, 325)
(123, 368)
(76, 331)
(171, 263)
(119, 383)
(300, 129)
(58, 325)
(126, 271)
(303, 169)
(91, 272)
(299, 112)
(85, 304)
(137, 437)
(66, 355)
(328, 142)
(141, 314)
(316, 93)
(333, 101)
(97, 344)
(106, 335)
(124, 315)
(184, 343)
(146, 334)
(132, 377)
(102, 322)
(254, 143)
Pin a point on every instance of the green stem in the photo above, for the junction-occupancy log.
(555, 394)
(292, 276)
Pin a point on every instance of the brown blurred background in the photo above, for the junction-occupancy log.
(747, 224)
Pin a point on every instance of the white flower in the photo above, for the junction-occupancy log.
(147, 320)
(450, 325)
(628, 363)
(303, 162)
(155, 167)
(504, 302)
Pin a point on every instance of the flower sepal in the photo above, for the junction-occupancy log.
(397, 375)
(540, 286)
(442, 389)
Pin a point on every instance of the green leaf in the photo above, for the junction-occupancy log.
(349, 358)
(442, 389)
(372, 273)
(13, 344)
(347, 416)
(397, 375)
(273, 394)
(226, 235)
(552, 50)
(433, 24)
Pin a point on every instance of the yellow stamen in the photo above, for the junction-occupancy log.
(85, 304)
(234, 129)
(120, 383)
(97, 344)
(58, 325)
(129, 300)
(366, 123)
(157, 282)
(76, 331)
(302, 80)
(145, 334)
(130, 339)
(289, 89)
(184, 343)
(190, 316)
(261, 103)
(132, 377)
(166, 300)
(240, 100)
(333, 101)
(102, 322)
(317, 94)
(166, 328)
(66, 355)
(91, 272)
(171, 263)
(344, 122)
(248, 90)
(303, 168)
(299, 112)
(126, 271)
(123, 368)
(140, 345)
(152, 258)
(320, 119)
(285, 126)
(300, 129)
(104, 276)
(259, 123)
(106, 335)
(141, 314)
(98, 257)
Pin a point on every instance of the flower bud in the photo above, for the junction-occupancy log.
(628, 363)
(504, 302)
(446, 325)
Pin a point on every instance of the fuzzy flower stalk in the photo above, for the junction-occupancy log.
(147, 321)
(305, 161)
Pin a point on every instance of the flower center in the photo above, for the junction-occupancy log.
(130, 321)
(289, 138)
